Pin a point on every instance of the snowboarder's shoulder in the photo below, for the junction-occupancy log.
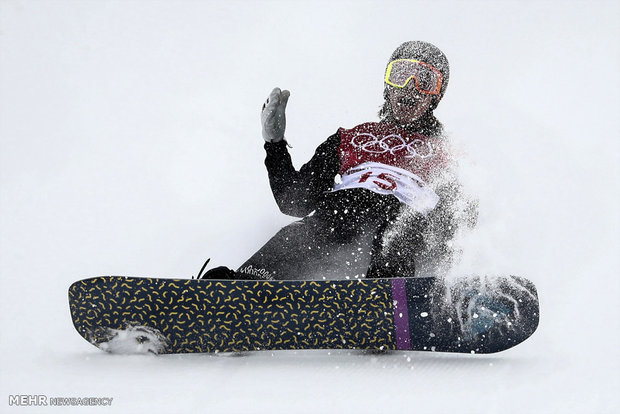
(364, 127)
(382, 128)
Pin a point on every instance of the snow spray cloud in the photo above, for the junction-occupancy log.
(428, 240)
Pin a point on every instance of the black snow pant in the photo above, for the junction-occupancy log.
(327, 246)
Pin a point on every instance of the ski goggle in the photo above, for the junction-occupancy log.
(427, 78)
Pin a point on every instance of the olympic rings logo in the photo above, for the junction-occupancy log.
(392, 144)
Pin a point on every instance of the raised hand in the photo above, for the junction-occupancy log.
(273, 118)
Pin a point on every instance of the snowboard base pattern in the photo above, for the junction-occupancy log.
(209, 316)
(130, 314)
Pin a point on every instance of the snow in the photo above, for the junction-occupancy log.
(131, 145)
(133, 339)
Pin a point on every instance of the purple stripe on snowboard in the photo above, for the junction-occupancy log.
(401, 316)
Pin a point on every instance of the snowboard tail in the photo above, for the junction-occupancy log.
(129, 314)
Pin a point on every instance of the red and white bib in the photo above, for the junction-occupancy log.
(388, 160)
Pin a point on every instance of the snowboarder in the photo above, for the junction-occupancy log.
(376, 200)
(379, 200)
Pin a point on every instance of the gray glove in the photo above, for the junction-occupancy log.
(272, 116)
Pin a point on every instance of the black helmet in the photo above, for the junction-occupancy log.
(427, 53)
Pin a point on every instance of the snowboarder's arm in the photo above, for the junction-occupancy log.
(297, 192)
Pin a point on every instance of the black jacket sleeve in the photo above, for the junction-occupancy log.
(297, 193)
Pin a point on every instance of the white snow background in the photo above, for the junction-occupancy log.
(131, 145)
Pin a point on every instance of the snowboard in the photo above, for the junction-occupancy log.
(167, 316)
